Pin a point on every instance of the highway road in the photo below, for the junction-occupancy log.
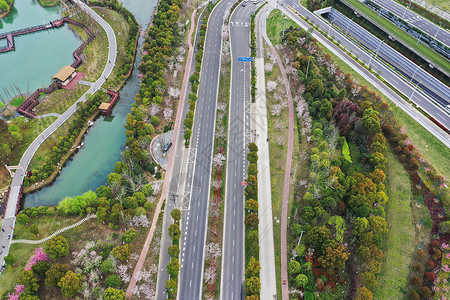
(233, 252)
(430, 84)
(198, 174)
(394, 79)
(413, 18)
(10, 214)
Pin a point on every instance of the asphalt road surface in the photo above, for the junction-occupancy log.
(413, 18)
(198, 175)
(10, 213)
(435, 88)
(233, 258)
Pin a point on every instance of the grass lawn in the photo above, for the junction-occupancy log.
(48, 3)
(399, 241)
(274, 26)
(23, 252)
(29, 129)
(445, 4)
(60, 100)
(121, 28)
(96, 53)
(401, 35)
(430, 147)
(17, 101)
(278, 134)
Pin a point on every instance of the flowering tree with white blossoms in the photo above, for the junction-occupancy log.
(168, 113)
(271, 85)
(218, 160)
(173, 92)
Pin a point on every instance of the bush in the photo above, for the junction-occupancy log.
(129, 236)
(57, 247)
(444, 227)
(430, 276)
(113, 281)
(425, 292)
(416, 281)
(252, 286)
(174, 251)
(294, 267)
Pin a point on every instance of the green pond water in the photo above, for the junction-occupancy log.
(38, 56)
(105, 141)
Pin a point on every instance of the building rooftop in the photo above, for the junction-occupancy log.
(64, 73)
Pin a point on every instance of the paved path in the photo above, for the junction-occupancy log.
(287, 175)
(49, 115)
(164, 191)
(156, 148)
(55, 233)
(16, 184)
(84, 82)
(259, 121)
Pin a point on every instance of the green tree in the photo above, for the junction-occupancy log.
(171, 288)
(22, 219)
(176, 215)
(122, 252)
(34, 229)
(301, 280)
(40, 268)
(294, 267)
(174, 251)
(10, 259)
(114, 179)
(57, 247)
(113, 294)
(317, 236)
(113, 281)
(129, 236)
(253, 268)
(173, 267)
(130, 203)
(54, 274)
(147, 189)
(70, 284)
(252, 286)
(371, 122)
(364, 294)
(108, 266)
(174, 231)
(29, 280)
(369, 280)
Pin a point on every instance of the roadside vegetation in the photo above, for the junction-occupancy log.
(351, 111)
(400, 238)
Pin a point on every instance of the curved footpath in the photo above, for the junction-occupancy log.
(16, 184)
(287, 173)
(35, 242)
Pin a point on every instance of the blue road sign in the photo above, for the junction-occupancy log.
(244, 58)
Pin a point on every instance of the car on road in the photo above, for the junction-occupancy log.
(8, 237)
(243, 4)
(167, 146)
(447, 108)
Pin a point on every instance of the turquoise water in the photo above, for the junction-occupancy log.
(38, 56)
(103, 144)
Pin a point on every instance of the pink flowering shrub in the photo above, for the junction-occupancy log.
(19, 289)
(39, 255)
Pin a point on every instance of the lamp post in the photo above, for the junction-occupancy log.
(439, 27)
(346, 30)
(376, 51)
(412, 78)
(329, 26)
(410, 98)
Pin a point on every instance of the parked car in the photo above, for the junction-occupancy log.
(167, 146)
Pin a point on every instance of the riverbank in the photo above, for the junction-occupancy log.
(5, 13)
(41, 154)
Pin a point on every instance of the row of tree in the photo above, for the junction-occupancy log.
(252, 281)
(173, 268)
